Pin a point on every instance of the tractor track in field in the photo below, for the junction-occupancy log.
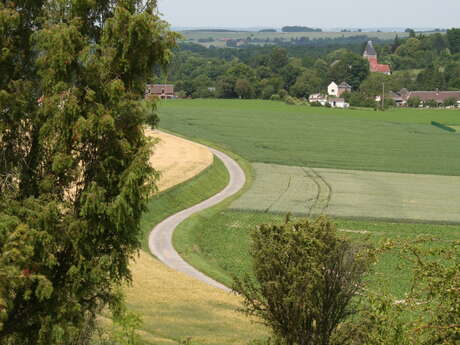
(323, 194)
(280, 196)
(161, 236)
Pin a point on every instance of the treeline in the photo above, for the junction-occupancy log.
(273, 74)
(420, 62)
(296, 47)
(299, 29)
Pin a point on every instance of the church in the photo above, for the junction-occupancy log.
(371, 55)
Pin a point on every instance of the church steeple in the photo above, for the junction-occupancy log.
(370, 50)
(371, 55)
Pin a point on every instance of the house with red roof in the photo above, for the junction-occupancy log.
(371, 55)
(162, 91)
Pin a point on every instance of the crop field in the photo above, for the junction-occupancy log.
(175, 307)
(222, 239)
(398, 140)
(351, 193)
(350, 164)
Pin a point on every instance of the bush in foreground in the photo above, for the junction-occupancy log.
(305, 279)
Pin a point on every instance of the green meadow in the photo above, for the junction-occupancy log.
(217, 242)
(398, 140)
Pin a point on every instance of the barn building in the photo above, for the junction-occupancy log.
(162, 91)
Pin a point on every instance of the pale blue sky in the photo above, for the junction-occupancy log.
(317, 13)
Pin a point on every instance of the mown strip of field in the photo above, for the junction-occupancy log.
(398, 140)
(222, 241)
(353, 194)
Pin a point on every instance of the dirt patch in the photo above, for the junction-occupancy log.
(177, 159)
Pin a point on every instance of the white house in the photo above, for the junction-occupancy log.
(318, 98)
(333, 89)
(338, 103)
(338, 90)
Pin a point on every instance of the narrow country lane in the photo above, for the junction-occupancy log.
(160, 239)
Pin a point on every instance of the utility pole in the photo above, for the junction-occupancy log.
(383, 96)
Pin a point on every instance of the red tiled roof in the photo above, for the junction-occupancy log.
(372, 60)
(376, 67)
(439, 96)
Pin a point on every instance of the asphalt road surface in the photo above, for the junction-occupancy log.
(160, 239)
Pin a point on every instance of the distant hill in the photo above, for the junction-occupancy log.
(299, 29)
(214, 30)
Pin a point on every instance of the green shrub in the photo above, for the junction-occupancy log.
(283, 94)
(414, 102)
(291, 100)
(449, 102)
(431, 103)
(305, 277)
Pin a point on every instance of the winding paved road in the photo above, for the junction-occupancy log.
(160, 239)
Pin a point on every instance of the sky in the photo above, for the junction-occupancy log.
(312, 13)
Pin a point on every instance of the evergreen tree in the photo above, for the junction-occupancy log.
(74, 173)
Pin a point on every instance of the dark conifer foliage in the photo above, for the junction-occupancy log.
(74, 173)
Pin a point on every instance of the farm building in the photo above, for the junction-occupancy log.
(338, 103)
(317, 98)
(162, 91)
(338, 90)
(333, 102)
(439, 97)
(371, 55)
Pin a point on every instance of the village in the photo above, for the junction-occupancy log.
(400, 98)
(335, 95)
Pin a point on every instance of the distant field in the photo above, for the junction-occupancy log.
(216, 36)
(352, 194)
(398, 140)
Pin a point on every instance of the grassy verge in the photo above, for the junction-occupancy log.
(218, 243)
(201, 187)
(189, 234)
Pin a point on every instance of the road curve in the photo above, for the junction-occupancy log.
(160, 238)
